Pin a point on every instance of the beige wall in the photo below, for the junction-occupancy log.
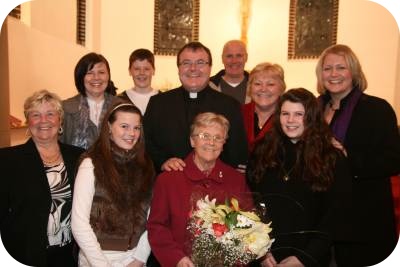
(44, 55)
(4, 84)
(52, 18)
(397, 85)
(361, 25)
(372, 32)
(39, 61)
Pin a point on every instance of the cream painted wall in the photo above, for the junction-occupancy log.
(115, 32)
(39, 61)
(373, 34)
(397, 87)
(52, 18)
(366, 26)
(4, 83)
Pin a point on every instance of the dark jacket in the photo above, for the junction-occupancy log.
(248, 112)
(304, 222)
(373, 145)
(216, 79)
(168, 118)
(239, 92)
(25, 200)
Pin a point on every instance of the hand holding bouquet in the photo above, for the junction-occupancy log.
(225, 235)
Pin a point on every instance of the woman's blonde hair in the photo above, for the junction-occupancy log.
(352, 61)
(41, 97)
(208, 119)
(267, 67)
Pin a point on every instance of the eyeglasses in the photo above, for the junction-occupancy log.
(197, 64)
(209, 137)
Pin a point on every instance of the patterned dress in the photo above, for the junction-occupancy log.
(59, 225)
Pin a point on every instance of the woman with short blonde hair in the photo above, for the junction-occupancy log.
(36, 192)
(266, 84)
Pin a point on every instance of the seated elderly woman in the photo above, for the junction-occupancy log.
(36, 188)
(173, 191)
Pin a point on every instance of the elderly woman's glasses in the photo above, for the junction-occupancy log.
(209, 137)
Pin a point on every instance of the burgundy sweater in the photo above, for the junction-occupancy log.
(175, 193)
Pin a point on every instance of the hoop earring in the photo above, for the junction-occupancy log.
(60, 130)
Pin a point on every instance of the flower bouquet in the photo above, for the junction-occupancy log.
(225, 235)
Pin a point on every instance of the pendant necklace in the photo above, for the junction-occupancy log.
(286, 174)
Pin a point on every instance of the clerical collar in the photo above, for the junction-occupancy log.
(191, 95)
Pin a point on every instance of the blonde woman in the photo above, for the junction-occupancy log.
(365, 127)
(265, 86)
(37, 186)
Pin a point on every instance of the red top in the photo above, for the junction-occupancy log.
(174, 194)
(248, 111)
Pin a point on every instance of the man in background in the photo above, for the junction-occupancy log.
(233, 79)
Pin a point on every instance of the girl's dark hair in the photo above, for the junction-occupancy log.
(316, 156)
(87, 63)
(107, 166)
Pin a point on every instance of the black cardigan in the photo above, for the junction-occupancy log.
(25, 200)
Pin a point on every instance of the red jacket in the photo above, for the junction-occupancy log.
(248, 111)
(175, 193)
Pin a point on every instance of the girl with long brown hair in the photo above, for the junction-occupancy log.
(303, 180)
(113, 191)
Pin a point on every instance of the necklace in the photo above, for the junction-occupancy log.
(51, 160)
(261, 118)
(286, 174)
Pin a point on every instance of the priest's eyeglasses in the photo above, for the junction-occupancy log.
(197, 64)
(208, 137)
